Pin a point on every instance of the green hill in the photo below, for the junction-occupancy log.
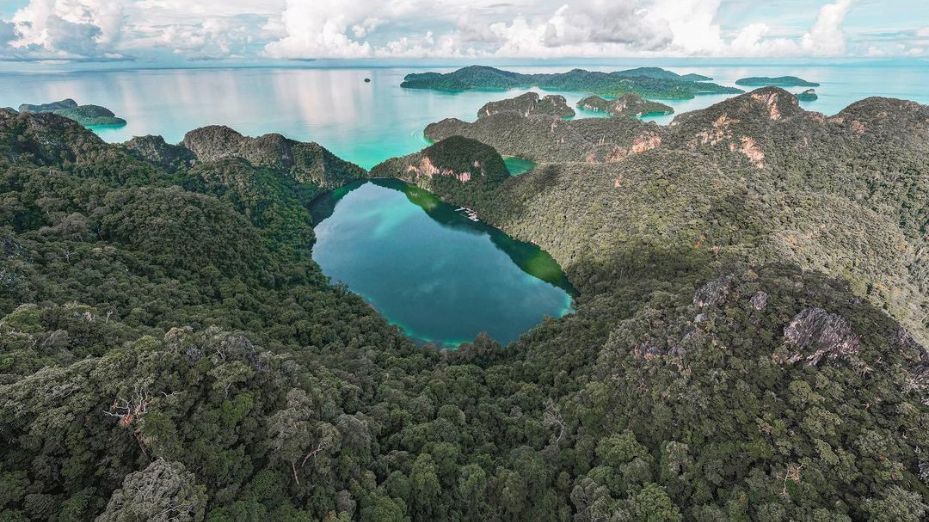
(747, 341)
(650, 81)
(779, 81)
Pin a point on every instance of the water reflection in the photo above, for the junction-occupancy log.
(439, 276)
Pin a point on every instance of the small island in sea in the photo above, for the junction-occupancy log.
(645, 81)
(808, 95)
(627, 105)
(529, 104)
(780, 81)
(86, 115)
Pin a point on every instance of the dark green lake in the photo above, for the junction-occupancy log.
(431, 271)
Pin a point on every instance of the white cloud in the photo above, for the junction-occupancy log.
(306, 29)
(826, 38)
(69, 28)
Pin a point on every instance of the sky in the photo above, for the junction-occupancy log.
(174, 32)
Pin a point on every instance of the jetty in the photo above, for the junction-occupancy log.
(470, 214)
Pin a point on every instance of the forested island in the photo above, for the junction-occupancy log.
(86, 115)
(627, 105)
(779, 81)
(748, 341)
(808, 95)
(651, 82)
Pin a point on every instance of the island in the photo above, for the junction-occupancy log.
(780, 81)
(628, 105)
(529, 104)
(546, 137)
(86, 115)
(808, 95)
(652, 82)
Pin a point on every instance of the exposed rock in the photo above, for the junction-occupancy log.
(306, 162)
(759, 300)
(529, 104)
(156, 150)
(713, 293)
(628, 105)
(818, 333)
(918, 358)
(750, 149)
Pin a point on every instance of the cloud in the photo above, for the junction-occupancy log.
(67, 29)
(826, 38)
(7, 33)
(257, 30)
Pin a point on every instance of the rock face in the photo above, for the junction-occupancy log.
(457, 159)
(628, 105)
(156, 150)
(713, 293)
(306, 162)
(529, 104)
(817, 333)
(46, 137)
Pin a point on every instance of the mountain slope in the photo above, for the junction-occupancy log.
(168, 348)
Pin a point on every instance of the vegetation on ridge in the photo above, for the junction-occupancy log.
(168, 350)
(645, 81)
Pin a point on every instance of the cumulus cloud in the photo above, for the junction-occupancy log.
(7, 33)
(582, 28)
(308, 29)
(67, 29)
(826, 38)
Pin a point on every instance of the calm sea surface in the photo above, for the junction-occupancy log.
(370, 122)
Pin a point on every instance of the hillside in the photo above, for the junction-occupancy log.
(529, 104)
(628, 106)
(746, 342)
(645, 81)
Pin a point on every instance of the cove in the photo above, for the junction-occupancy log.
(517, 166)
(428, 269)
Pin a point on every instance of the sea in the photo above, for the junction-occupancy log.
(367, 122)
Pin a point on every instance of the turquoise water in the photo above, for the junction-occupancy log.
(370, 122)
(429, 270)
(517, 166)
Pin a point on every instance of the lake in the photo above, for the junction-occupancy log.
(431, 271)
(427, 269)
